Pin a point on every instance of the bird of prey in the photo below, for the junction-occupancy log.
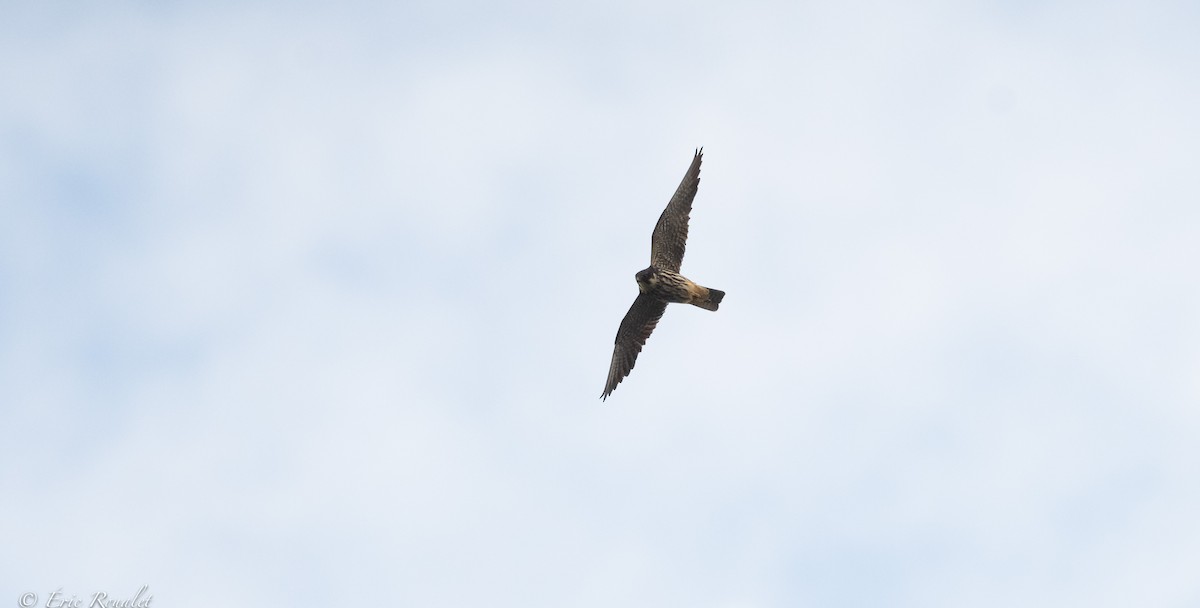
(661, 283)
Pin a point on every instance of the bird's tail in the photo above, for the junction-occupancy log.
(710, 298)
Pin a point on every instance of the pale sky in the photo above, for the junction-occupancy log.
(311, 304)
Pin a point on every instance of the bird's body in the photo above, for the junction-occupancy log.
(672, 287)
(661, 284)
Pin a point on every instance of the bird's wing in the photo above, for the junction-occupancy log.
(635, 328)
(670, 234)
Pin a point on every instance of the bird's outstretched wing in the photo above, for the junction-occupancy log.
(670, 234)
(641, 319)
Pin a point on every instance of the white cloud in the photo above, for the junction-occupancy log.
(316, 305)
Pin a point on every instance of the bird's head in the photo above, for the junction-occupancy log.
(646, 278)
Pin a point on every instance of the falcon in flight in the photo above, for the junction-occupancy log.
(661, 282)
